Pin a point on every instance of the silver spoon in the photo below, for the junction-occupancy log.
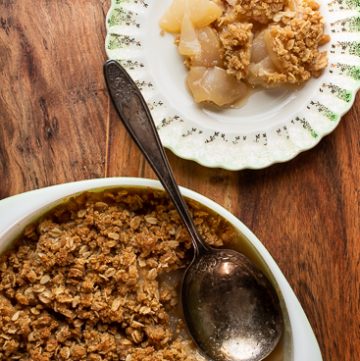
(231, 310)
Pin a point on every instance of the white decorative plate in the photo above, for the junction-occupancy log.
(273, 126)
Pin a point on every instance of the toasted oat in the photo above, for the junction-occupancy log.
(97, 280)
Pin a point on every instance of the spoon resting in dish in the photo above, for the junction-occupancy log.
(231, 310)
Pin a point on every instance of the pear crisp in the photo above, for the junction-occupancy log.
(98, 279)
(242, 44)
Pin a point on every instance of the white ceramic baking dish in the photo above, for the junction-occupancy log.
(16, 212)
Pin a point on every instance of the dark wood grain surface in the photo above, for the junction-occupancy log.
(57, 125)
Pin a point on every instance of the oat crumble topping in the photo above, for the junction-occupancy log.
(97, 280)
(261, 11)
(236, 39)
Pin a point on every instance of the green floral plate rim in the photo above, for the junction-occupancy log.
(272, 127)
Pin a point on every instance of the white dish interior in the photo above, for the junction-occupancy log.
(18, 211)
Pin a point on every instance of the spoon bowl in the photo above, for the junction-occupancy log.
(217, 280)
(229, 308)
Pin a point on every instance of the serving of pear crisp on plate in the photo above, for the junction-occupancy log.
(229, 46)
(240, 84)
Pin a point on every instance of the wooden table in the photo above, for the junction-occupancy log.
(57, 125)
